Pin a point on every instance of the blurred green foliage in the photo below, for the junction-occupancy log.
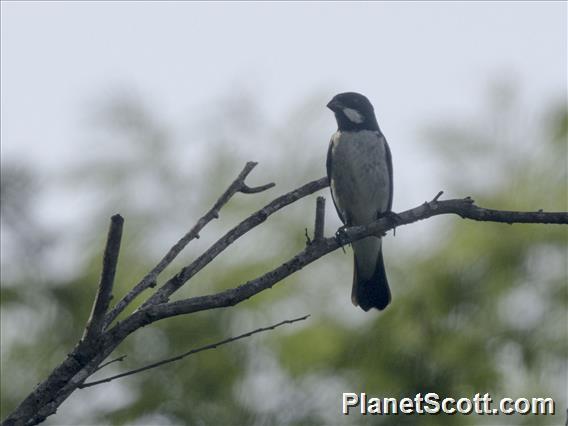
(483, 309)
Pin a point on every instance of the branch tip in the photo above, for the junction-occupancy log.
(96, 321)
(308, 240)
(320, 219)
(437, 196)
(242, 187)
(117, 218)
(119, 359)
(245, 189)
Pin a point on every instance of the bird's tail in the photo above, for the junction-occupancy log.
(370, 285)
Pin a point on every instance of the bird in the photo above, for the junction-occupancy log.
(359, 171)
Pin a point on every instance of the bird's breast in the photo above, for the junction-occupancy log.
(360, 175)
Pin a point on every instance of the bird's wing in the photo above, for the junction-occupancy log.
(328, 166)
(389, 166)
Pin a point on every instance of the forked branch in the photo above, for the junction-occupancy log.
(461, 207)
(89, 354)
(238, 185)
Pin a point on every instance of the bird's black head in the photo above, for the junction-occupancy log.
(353, 111)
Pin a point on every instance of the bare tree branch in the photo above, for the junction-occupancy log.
(149, 280)
(506, 216)
(88, 355)
(254, 190)
(461, 207)
(438, 195)
(104, 293)
(112, 361)
(320, 219)
(255, 219)
(191, 352)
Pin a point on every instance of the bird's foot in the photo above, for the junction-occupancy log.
(394, 218)
(341, 237)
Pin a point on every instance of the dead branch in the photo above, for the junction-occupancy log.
(255, 219)
(190, 352)
(464, 208)
(320, 219)
(112, 361)
(89, 354)
(149, 280)
(104, 294)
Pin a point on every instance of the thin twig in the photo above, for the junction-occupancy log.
(254, 190)
(438, 195)
(119, 359)
(307, 235)
(191, 352)
(238, 185)
(320, 219)
(104, 292)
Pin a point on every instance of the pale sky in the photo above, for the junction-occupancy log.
(418, 62)
(414, 60)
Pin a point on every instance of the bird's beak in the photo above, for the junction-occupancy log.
(334, 105)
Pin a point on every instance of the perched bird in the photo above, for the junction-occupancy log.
(359, 169)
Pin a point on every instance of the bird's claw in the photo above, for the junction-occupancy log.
(341, 237)
(394, 217)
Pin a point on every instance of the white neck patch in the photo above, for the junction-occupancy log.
(353, 115)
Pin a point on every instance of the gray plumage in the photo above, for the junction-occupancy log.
(359, 168)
